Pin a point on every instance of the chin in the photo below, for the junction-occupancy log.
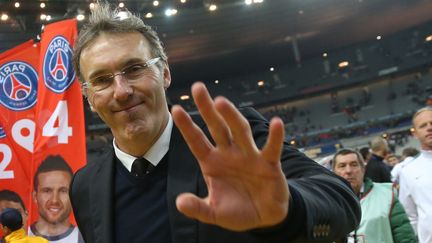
(135, 130)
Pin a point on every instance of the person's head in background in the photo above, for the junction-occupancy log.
(349, 164)
(10, 221)
(326, 161)
(379, 147)
(51, 191)
(422, 124)
(392, 160)
(365, 153)
(11, 199)
(409, 152)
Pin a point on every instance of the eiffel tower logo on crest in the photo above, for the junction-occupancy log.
(59, 67)
(18, 88)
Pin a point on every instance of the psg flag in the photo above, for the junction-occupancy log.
(41, 110)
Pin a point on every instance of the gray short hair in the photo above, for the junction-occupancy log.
(103, 18)
(378, 144)
(346, 151)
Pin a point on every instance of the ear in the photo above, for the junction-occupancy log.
(90, 104)
(91, 108)
(363, 169)
(414, 132)
(166, 76)
(34, 196)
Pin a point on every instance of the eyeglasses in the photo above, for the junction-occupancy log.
(131, 73)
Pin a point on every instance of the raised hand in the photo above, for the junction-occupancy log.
(246, 186)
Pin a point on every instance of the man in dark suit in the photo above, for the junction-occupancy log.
(222, 176)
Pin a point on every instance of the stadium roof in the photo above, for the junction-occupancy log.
(236, 38)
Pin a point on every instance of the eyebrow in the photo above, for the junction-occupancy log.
(129, 62)
(348, 162)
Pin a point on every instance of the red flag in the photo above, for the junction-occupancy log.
(18, 94)
(59, 114)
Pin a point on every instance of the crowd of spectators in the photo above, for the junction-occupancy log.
(303, 127)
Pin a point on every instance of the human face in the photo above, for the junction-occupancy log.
(11, 204)
(348, 166)
(423, 129)
(136, 112)
(52, 197)
(392, 160)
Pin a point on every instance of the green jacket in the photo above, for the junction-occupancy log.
(401, 228)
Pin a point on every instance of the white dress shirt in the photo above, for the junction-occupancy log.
(416, 194)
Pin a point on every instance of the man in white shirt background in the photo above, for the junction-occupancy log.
(408, 154)
(416, 180)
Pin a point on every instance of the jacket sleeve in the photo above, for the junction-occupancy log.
(402, 230)
(395, 172)
(322, 206)
(77, 195)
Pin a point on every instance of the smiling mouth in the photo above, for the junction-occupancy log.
(54, 210)
(128, 108)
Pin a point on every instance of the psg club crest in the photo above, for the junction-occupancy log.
(58, 73)
(18, 85)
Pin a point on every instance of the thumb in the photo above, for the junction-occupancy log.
(195, 207)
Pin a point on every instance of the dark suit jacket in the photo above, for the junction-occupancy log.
(322, 205)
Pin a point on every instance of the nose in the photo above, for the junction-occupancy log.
(348, 169)
(55, 197)
(122, 88)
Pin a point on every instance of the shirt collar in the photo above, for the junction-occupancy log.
(156, 152)
(427, 153)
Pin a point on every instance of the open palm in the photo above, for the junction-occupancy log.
(246, 186)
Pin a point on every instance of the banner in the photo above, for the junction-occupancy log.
(59, 116)
(41, 109)
(18, 95)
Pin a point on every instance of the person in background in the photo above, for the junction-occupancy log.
(221, 175)
(11, 224)
(11, 199)
(366, 154)
(408, 154)
(392, 160)
(51, 194)
(416, 180)
(383, 217)
(376, 169)
(326, 161)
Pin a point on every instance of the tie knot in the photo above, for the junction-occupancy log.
(141, 167)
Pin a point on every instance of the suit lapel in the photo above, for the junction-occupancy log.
(183, 173)
(101, 196)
